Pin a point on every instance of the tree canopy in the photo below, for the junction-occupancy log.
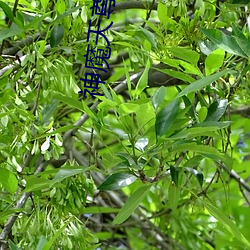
(157, 157)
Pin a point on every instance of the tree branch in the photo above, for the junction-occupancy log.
(21, 44)
(20, 203)
(236, 177)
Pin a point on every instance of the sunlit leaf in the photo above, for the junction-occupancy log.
(214, 61)
(128, 108)
(202, 114)
(186, 54)
(8, 180)
(117, 181)
(44, 3)
(162, 12)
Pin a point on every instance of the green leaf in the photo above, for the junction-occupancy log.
(144, 34)
(245, 2)
(186, 54)
(36, 21)
(67, 12)
(41, 243)
(49, 110)
(8, 180)
(207, 46)
(223, 41)
(202, 114)
(106, 92)
(241, 40)
(49, 244)
(214, 61)
(162, 12)
(44, 3)
(70, 101)
(7, 10)
(194, 161)
(227, 223)
(19, 20)
(128, 108)
(56, 131)
(56, 35)
(244, 45)
(34, 184)
(219, 125)
(204, 150)
(13, 246)
(143, 81)
(132, 203)
(188, 105)
(66, 172)
(174, 172)
(173, 196)
(189, 68)
(198, 85)
(198, 175)
(9, 32)
(158, 97)
(117, 181)
(9, 211)
(238, 33)
(166, 117)
(193, 132)
(98, 210)
(177, 74)
(216, 110)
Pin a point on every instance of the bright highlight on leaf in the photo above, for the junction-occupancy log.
(117, 181)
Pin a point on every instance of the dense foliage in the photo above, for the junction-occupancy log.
(160, 161)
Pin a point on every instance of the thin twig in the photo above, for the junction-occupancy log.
(148, 14)
(235, 176)
(9, 24)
